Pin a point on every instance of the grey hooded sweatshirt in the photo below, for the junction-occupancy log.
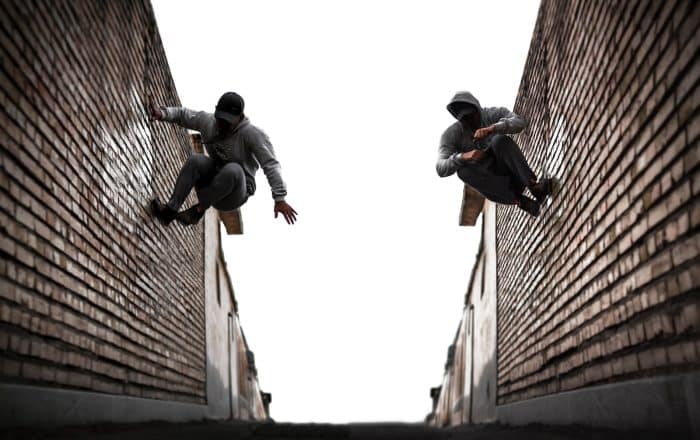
(457, 139)
(246, 145)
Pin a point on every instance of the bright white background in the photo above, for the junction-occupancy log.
(351, 310)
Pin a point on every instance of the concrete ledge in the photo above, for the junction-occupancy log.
(472, 205)
(233, 221)
(23, 405)
(667, 403)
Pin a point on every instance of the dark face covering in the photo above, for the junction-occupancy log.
(469, 116)
(222, 126)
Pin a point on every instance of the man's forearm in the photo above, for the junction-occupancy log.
(447, 166)
(186, 118)
(512, 125)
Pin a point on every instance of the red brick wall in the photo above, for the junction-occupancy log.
(603, 286)
(94, 294)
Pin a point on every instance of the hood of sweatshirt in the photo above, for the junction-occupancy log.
(460, 100)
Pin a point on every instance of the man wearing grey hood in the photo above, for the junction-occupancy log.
(226, 177)
(477, 149)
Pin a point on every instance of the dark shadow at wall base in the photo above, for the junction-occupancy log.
(59, 407)
(665, 403)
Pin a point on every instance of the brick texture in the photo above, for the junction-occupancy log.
(603, 286)
(95, 295)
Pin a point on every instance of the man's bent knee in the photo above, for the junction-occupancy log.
(501, 141)
(501, 144)
(465, 174)
(199, 159)
(232, 170)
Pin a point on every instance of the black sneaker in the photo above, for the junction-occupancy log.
(190, 216)
(162, 212)
(528, 205)
(548, 186)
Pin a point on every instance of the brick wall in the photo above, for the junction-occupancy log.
(95, 295)
(603, 286)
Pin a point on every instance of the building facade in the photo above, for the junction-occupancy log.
(594, 304)
(105, 315)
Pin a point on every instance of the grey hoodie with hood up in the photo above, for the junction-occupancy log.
(457, 139)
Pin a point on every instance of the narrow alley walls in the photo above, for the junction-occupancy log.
(98, 301)
(602, 287)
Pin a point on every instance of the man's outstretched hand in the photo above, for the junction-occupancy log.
(154, 112)
(290, 215)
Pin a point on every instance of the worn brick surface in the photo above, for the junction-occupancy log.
(95, 295)
(603, 286)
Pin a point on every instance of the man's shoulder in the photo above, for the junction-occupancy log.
(454, 131)
(253, 132)
(495, 110)
(207, 117)
(249, 128)
(204, 121)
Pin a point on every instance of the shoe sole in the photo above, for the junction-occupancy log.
(185, 223)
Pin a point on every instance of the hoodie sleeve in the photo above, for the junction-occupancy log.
(449, 158)
(505, 121)
(202, 122)
(259, 144)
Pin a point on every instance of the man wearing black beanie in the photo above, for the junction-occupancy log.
(226, 177)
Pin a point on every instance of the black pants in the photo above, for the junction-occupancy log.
(502, 175)
(221, 186)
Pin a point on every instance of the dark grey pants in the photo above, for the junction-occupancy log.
(502, 175)
(220, 186)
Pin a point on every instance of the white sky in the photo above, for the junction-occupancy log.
(351, 310)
